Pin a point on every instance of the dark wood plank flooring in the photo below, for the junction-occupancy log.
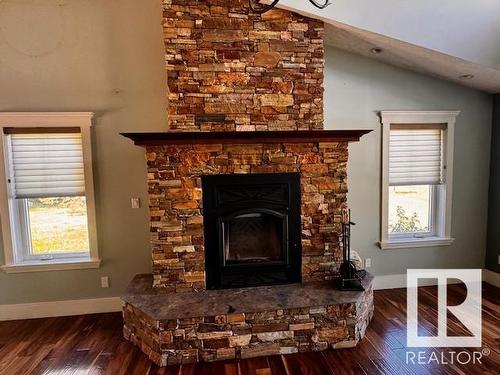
(93, 344)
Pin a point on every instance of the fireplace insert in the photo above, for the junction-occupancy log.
(252, 229)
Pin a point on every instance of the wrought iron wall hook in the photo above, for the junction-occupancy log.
(257, 7)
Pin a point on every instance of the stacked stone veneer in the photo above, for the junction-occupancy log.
(251, 334)
(175, 199)
(229, 69)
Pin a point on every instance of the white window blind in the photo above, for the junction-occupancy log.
(46, 165)
(416, 156)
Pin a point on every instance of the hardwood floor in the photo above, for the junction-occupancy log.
(92, 344)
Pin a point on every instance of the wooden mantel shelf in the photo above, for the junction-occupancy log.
(247, 137)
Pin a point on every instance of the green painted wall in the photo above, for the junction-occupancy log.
(101, 56)
(356, 88)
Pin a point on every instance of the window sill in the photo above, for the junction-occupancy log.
(54, 265)
(412, 243)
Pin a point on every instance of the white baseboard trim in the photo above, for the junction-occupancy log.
(491, 277)
(389, 281)
(59, 308)
(399, 281)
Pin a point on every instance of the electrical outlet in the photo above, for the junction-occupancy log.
(105, 282)
(136, 202)
(368, 262)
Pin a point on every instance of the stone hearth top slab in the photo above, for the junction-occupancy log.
(245, 137)
(163, 306)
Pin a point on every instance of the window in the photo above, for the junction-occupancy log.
(417, 171)
(47, 199)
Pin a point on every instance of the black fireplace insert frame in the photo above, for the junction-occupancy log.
(227, 196)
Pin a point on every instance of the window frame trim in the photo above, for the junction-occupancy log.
(13, 262)
(434, 222)
(444, 192)
(24, 237)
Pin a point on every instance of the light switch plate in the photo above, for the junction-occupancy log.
(105, 282)
(135, 202)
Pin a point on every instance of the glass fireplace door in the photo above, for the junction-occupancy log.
(253, 237)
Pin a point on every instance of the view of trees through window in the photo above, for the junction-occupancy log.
(409, 208)
(58, 225)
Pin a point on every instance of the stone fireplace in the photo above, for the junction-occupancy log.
(246, 194)
(227, 199)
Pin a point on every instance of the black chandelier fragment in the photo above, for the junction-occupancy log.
(257, 7)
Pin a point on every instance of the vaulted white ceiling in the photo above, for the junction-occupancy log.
(447, 38)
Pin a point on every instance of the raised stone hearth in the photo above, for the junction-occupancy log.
(243, 323)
